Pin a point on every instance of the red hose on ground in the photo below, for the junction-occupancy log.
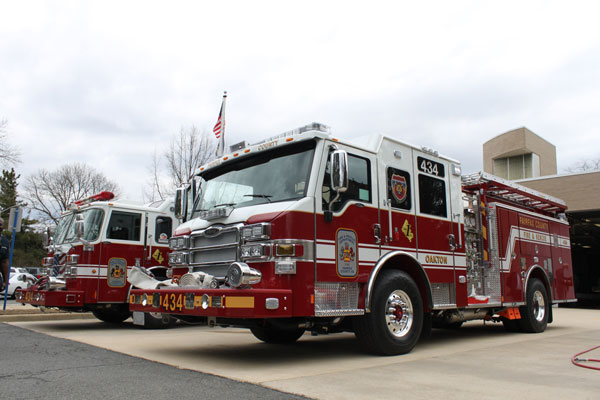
(577, 361)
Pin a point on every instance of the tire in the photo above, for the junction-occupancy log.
(158, 321)
(534, 314)
(14, 295)
(396, 319)
(273, 335)
(113, 315)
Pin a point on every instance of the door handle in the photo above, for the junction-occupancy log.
(452, 242)
(377, 233)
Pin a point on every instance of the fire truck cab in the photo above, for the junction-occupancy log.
(94, 247)
(304, 231)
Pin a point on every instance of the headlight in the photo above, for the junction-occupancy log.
(72, 259)
(258, 250)
(260, 231)
(177, 258)
(178, 243)
(48, 262)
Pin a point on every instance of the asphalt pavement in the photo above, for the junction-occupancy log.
(37, 366)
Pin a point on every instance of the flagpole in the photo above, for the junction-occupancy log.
(223, 122)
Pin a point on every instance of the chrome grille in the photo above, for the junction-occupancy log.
(213, 249)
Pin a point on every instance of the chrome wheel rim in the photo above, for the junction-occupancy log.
(399, 313)
(539, 306)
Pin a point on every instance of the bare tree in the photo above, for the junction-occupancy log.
(50, 193)
(188, 150)
(584, 165)
(9, 155)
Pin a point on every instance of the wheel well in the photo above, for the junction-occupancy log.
(401, 261)
(537, 272)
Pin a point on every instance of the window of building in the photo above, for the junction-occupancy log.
(359, 183)
(517, 167)
(164, 227)
(432, 196)
(399, 190)
(124, 226)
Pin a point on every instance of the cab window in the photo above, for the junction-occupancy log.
(432, 196)
(124, 226)
(164, 227)
(359, 183)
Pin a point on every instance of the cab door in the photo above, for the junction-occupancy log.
(348, 245)
(122, 249)
(436, 237)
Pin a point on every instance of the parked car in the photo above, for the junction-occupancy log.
(19, 280)
(17, 270)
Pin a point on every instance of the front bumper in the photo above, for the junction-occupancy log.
(50, 298)
(223, 303)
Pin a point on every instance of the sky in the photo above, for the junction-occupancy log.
(108, 83)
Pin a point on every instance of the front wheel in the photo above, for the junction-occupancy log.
(274, 335)
(534, 315)
(394, 324)
(113, 315)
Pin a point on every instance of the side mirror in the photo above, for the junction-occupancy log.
(338, 161)
(181, 197)
(79, 226)
(339, 171)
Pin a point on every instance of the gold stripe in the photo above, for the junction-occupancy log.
(484, 232)
(239, 302)
(197, 301)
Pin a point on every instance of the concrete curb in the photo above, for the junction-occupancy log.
(44, 316)
(18, 312)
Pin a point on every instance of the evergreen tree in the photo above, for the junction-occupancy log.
(28, 249)
(8, 192)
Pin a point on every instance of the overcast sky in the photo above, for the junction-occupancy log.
(107, 83)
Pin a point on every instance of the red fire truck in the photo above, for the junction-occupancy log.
(96, 244)
(307, 232)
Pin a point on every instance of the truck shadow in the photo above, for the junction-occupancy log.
(338, 346)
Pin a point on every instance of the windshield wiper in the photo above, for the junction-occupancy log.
(262, 196)
(224, 204)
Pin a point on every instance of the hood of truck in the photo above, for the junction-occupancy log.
(258, 213)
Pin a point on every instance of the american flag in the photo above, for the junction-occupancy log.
(219, 128)
(219, 125)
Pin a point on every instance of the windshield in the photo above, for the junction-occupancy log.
(92, 221)
(277, 175)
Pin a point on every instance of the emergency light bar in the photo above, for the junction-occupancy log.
(102, 196)
(315, 126)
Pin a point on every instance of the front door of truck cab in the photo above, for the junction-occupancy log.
(438, 205)
(347, 248)
(123, 247)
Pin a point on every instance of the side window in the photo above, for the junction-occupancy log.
(124, 226)
(359, 183)
(399, 190)
(164, 227)
(432, 196)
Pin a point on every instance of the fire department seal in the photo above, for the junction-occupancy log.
(117, 272)
(399, 187)
(346, 253)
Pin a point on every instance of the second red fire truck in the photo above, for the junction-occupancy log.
(375, 236)
(96, 244)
